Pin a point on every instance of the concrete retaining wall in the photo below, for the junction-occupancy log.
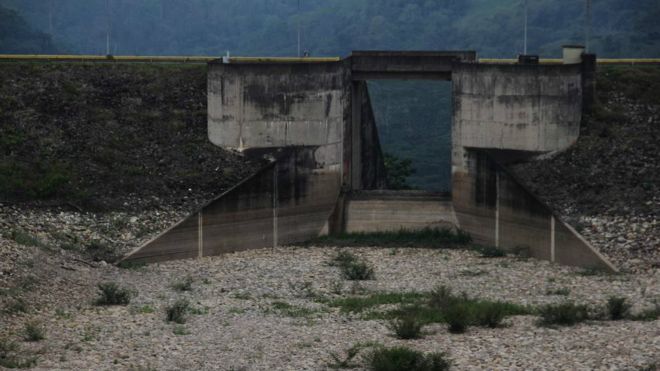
(380, 211)
(498, 211)
(287, 201)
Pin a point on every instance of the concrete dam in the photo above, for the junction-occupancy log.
(313, 120)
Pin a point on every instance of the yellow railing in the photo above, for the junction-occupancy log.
(158, 59)
(206, 59)
(630, 61)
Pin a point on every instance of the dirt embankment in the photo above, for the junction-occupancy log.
(608, 184)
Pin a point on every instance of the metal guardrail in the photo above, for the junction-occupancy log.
(605, 61)
(206, 59)
(156, 59)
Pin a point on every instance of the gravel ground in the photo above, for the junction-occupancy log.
(240, 328)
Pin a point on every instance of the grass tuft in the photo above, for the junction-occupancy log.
(618, 308)
(564, 314)
(402, 358)
(33, 331)
(177, 311)
(184, 284)
(407, 326)
(111, 294)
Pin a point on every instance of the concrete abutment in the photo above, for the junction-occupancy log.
(314, 120)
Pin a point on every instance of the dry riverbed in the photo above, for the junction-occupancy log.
(273, 309)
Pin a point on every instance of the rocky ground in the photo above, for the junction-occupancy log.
(272, 309)
(608, 184)
(120, 137)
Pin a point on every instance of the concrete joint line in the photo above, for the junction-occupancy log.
(200, 235)
(275, 204)
(552, 238)
(497, 209)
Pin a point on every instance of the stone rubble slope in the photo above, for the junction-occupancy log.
(608, 184)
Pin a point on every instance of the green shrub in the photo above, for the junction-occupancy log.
(407, 326)
(458, 317)
(99, 251)
(357, 271)
(10, 359)
(490, 251)
(18, 305)
(177, 311)
(617, 308)
(184, 285)
(565, 314)
(489, 314)
(25, 238)
(401, 358)
(342, 258)
(33, 331)
(442, 298)
(111, 294)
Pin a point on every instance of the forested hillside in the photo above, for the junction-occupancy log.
(16, 36)
(334, 27)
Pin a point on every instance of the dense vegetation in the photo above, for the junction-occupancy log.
(334, 27)
(16, 36)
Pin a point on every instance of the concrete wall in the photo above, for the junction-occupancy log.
(515, 107)
(288, 200)
(379, 211)
(276, 105)
(497, 210)
(511, 112)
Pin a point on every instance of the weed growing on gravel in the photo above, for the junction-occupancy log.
(131, 265)
(342, 258)
(99, 251)
(184, 284)
(180, 330)
(591, 271)
(651, 314)
(111, 294)
(177, 311)
(33, 331)
(561, 291)
(10, 358)
(347, 361)
(457, 316)
(401, 358)
(63, 314)
(618, 308)
(17, 305)
(357, 304)
(407, 326)
(145, 309)
(26, 239)
(289, 310)
(490, 251)
(352, 267)
(473, 273)
(358, 271)
(242, 296)
(564, 314)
